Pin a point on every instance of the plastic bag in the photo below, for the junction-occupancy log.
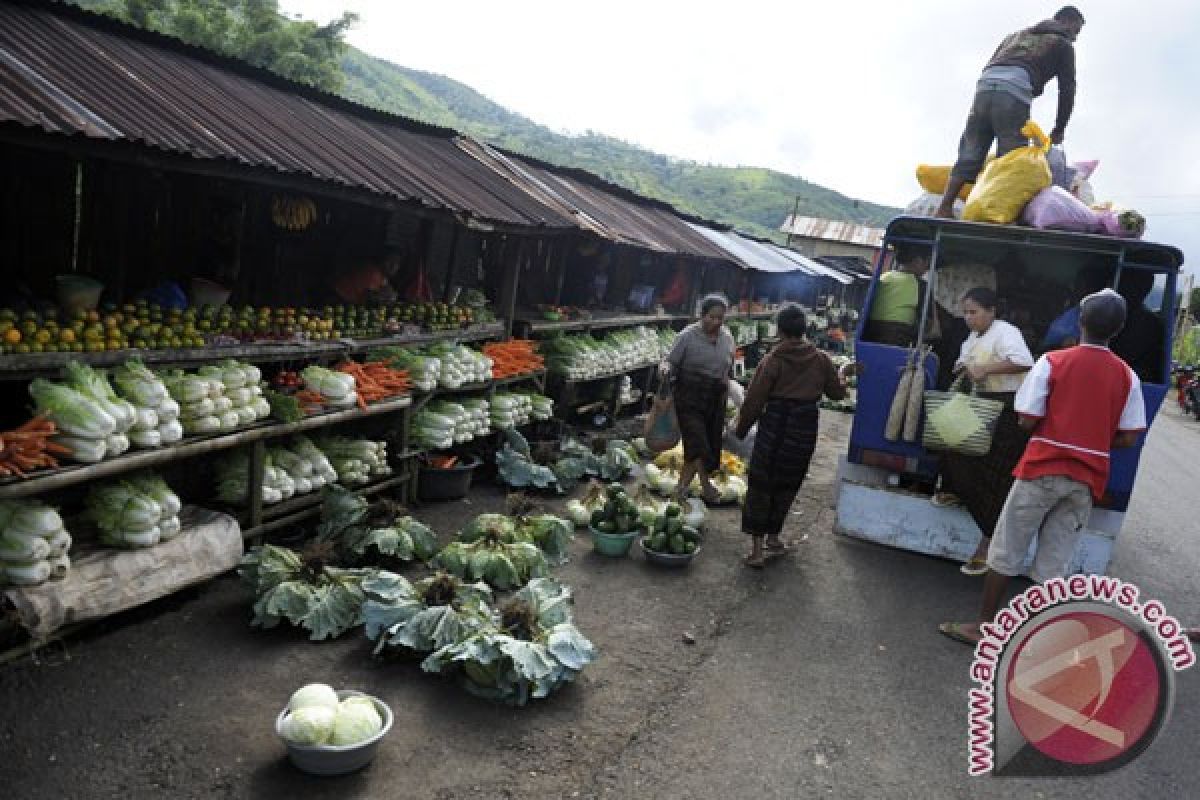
(1060, 173)
(1057, 209)
(933, 179)
(662, 427)
(926, 205)
(1127, 224)
(1010, 182)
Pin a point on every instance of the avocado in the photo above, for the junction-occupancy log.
(673, 510)
(674, 526)
(689, 547)
(598, 516)
(690, 534)
(677, 544)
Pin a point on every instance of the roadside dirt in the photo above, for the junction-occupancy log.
(178, 699)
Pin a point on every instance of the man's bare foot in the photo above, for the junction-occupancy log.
(965, 632)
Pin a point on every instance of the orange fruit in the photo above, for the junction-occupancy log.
(12, 336)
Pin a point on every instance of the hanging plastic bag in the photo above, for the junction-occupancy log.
(1057, 209)
(662, 426)
(1011, 181)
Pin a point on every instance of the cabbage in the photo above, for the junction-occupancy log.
(171, 432)
(311, 725)
(262, 408)
(59, 543)
(203, 407)
(187, 389)
(59, 567)
(168, 411)
(133, 539)
(139, 385)
(170, 528)
(121, 507)
(156, 488)
(21, 548)
(233, 378)
(253, 374)
(314, 695)
(34, 519)
(150, 438)
(202, 425)
(116, 444)
(73, 413)
(27, 574)
(222, 405)
(229, 421)
(240, 397)
(146, 420)
(355, 723)
(333, 385)
(577, 513)
(92, 384)
(84, 450)
(245, 415)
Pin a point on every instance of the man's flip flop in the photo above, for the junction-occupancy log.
(945, 500)
(954, 630)
(974, 567)
(753, 563)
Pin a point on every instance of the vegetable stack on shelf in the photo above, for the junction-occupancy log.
(461, 366)
(30, 447)
(33, 543)
(134, 513)
(514, 358)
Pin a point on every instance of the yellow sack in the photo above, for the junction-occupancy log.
(934, 179)
(1011, 181)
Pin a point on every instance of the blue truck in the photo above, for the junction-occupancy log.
(884, 487)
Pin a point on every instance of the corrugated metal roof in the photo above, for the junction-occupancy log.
(607, 210)
(813, 266)
(68, 72)
(833, 230)
(749, 253)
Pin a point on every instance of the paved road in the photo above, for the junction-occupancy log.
(832, 680)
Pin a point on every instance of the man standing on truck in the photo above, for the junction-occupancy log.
(1018, 72)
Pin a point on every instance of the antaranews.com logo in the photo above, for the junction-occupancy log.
(1075, 677)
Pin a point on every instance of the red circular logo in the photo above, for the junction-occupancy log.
(1084, 688)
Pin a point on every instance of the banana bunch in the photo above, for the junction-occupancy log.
(293, 213)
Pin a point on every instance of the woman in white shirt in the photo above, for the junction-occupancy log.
(995, 359)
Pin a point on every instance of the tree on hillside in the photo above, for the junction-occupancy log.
(254, 31)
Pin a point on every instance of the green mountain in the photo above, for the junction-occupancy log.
(753, 199)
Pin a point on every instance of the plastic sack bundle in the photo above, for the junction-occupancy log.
(933, 179)
(1057, 209)
(926, 205)
(1011, 181)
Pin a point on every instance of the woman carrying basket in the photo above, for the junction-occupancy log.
(995, 358)
(701, 363)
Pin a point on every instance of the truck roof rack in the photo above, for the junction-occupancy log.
(1134, 251)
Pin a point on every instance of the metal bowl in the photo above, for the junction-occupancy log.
(328, 759)
(667, 559)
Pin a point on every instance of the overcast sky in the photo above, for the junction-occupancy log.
(850, 95)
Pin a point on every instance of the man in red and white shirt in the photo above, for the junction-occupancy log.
(1079, 403)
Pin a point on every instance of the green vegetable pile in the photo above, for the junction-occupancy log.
(619, 514)
(669, 533)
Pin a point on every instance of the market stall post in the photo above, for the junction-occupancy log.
(258, 458)
(508, 287)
